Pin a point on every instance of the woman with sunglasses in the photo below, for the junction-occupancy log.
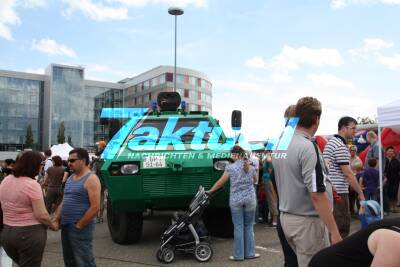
(24, 213)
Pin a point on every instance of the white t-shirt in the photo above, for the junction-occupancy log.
(48, 163)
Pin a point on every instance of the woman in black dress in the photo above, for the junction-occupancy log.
(392, 174)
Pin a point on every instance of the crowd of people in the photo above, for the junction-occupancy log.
(311, 195)
(39, 192)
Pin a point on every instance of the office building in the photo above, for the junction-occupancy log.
(63, 99)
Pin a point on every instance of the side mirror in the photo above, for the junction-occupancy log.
(236, 121)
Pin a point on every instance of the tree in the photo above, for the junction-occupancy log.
(29, 137)
(365, 120)
(61, 134)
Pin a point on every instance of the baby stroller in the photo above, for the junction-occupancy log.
(187, 232)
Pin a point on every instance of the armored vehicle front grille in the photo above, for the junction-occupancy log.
(175, 185)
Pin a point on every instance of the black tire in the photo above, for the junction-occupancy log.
(125, 228)
(203, 252)
(159, 255)
(219, 222)
(168, 254)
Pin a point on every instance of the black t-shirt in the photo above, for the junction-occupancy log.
(353, 251)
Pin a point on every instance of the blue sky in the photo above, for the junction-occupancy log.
(260, 55)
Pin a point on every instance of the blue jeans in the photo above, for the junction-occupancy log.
(77, 245)
(243, 223)
(372, 195)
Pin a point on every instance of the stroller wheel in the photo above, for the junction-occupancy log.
(203, 252)
(159, 255)
(168, 254)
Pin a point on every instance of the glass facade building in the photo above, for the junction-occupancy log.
(67, 97)
(63, 96)
(20, 107)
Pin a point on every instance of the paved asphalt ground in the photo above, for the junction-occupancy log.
(109, 254)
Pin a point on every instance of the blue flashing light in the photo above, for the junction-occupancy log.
(154, 106)
(183, 105)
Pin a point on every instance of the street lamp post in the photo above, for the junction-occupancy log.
(175, 11)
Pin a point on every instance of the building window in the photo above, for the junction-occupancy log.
(193, 95)
(179, 78)
(198, 108)
(203, 83)
(135, 101)
(162, 79)
(146, 85)
(170, 77)
(186, 94)
(192, 80)
(198, 82)
(154, 82)
(150, 97)
(186, 79)
(198, 95)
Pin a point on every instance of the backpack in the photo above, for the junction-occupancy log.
(372, 213)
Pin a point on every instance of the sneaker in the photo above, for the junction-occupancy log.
(274, 224)
(233, 258)
(256, 255)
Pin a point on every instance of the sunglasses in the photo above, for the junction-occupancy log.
(73, 160)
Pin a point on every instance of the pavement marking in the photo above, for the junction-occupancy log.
(268, 249)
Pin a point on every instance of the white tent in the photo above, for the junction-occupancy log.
(388, 117)
(61, 150)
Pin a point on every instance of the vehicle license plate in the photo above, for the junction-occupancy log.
(154, 162)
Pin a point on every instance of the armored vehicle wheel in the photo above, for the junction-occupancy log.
(219, 222)
(168, 254)
(203, 252)
(125, 228)
(159, 255)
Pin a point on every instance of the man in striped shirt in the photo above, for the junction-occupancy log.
(337, 157)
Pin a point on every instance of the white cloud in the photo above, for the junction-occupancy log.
(293, 58)
(290, 59)
(371, 45)
(391, 2)
(392, 62)
(8, 17)
(95, 11)
(329, 80)
(180, 3)
(52, 48)
(105, 73)
(339, 4)
(263, 103)
(34, 3)
(281, 78)
(256, 62)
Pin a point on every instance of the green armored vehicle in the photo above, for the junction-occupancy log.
(158, 160)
